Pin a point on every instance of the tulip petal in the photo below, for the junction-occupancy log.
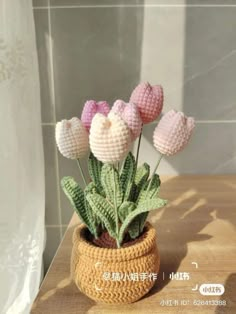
(149, 100)
(172, 132)
(72, 138)
(130, 114)
(109, 138)
(91, 107)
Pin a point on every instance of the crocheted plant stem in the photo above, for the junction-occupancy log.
(116, 211)
(81, 171)
(154, 171)
(138, 148)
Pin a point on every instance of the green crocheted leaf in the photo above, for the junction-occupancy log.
(134, 227)
(91, 188)
(103, 209)
(76, 197)
(152, 191)
(145, 194)
(127, 176)
(125, 209)
(111, 184)
(141, 176)
(95, 168)
(142, 208)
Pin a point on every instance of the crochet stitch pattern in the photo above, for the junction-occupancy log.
(130, 114)
(89, 265)
(109, 138)
(172, 133)
(149, 100)
(91, 107)
(72, 138)
(114, 255)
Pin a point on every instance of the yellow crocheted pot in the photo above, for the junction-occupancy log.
(114, 275)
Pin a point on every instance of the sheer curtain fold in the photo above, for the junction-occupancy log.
(21, 160)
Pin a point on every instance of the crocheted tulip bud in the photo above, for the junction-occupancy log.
(130, 114)
(109, 137)
(72, 138)
(149, 100)
(92, 107)
(173, 132)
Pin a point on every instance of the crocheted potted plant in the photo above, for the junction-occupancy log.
(115, 257)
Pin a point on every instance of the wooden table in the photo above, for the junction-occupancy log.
(197, 226)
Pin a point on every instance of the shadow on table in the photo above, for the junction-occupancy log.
(183, 219)
(177, 225)
(59, 297)
(229, 296)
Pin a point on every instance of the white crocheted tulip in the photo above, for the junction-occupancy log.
(130, 114)
(72, 138)
(173, 132)
(109, 138)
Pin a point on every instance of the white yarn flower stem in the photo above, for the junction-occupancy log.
(154, 171)
(139, 142)
(81, 171)
(116, 210)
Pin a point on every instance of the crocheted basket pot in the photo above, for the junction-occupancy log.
(92, 267)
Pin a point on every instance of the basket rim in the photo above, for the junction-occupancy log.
(122, 254)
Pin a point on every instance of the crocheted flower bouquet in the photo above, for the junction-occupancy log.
(115, 236)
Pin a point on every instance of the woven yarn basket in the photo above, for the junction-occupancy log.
(90, 262)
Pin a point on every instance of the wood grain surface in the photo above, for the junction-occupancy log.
(198, 225)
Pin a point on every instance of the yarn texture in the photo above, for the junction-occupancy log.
(114, 256)
(89, 263)
(173, 132)
(72, 138)
(130, 114)
(91, 107)
(149, 100)
(109, 138)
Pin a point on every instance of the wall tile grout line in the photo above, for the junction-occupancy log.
(54, 117)
(215, 121)
(138, 6)
(51, 63)
(56, 226)
(40, 8)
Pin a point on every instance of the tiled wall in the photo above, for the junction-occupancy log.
(100, 49)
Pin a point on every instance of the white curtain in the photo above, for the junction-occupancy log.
(21, 160)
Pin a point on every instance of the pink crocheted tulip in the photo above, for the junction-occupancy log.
(173, 132)
(149, 100)
(130, 114)
(109, 137)
(91, 107)
(72, 138)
